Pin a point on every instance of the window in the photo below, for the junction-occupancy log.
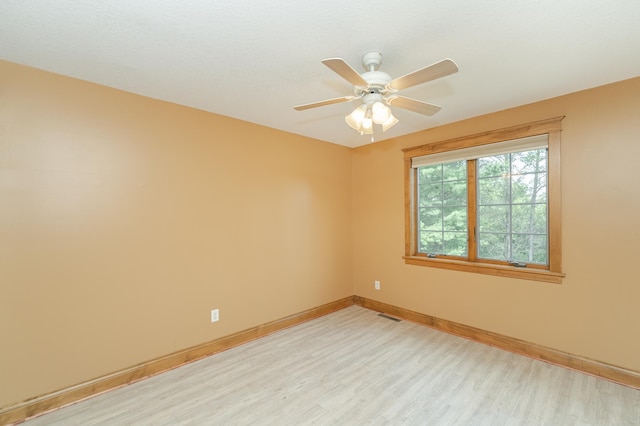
(487, 203)
(442, 209)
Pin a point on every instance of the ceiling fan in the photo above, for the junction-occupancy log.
(377, 90)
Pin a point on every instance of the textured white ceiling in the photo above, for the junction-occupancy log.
(254, 60)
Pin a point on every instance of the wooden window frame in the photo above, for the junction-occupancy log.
(552, 274)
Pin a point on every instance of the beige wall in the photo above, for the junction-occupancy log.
(125, 220)
(595, 312)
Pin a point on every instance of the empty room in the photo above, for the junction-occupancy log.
(342, 213)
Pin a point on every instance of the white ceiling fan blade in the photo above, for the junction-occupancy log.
(344, 70)
(413, 105)
(432, 72)
(323, 103)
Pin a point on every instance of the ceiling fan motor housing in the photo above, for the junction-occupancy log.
(371, 59)
(377, 81)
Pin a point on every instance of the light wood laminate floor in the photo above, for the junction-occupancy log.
(354, 367)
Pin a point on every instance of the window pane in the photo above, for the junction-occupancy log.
(455, 243)
(493, 190)
(430, 219)
(529, 248)
(529, 161)
(512, 207)
(456, 170)
(454, 219)
(529, 218)
(430, 194)
(529, 188)
(455, 193)
(431, 242)
(430, 174)
(442, 208)
(497, 165)
(493, 218)
(493, 246)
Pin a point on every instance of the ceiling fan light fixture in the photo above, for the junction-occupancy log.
(380, 112)
(389, 123)
(364, 116)
(366, 130)
(367, 123)
(354, 120)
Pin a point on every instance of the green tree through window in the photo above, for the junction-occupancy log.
(487, 203)
(511, 207)
(443, 208)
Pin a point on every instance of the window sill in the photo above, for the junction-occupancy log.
(488, 269)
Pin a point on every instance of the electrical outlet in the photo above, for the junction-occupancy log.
(376, 284)
(215, 315)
